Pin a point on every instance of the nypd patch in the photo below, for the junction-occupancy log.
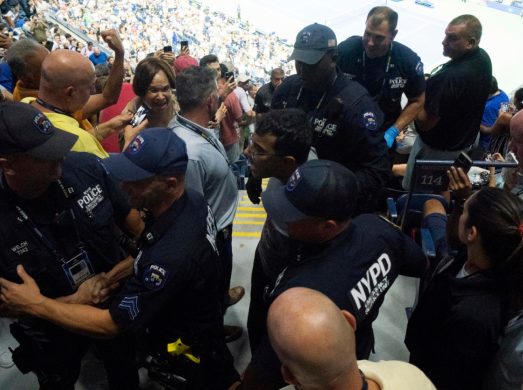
(294, 180)
(43, 124)
(369, 121)
(154, 277)
(137, 144)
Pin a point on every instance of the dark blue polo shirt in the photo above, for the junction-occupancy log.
(96, 201)
(386, 78)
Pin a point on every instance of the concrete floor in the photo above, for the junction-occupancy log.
(389, 327)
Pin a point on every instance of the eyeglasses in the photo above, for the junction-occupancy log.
(254, 152)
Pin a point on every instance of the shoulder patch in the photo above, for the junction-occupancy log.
(154, 277)
(419, 68)
(369, 121)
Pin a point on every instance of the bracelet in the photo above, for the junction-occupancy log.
(97, 134)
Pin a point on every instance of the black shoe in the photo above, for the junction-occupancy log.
(232, 333)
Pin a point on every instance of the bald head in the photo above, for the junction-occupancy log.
(65, 67)
(67, 78)
(313, 339)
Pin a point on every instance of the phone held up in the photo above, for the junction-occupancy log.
(463, 161)
(141, 114)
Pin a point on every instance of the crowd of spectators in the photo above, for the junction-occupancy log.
(147, 26)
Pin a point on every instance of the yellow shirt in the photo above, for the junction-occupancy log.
(85, 143)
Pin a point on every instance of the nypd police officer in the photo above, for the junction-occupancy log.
(58, 223)
(353, 261)
(343, 116)
(386, 68)
(173, 298)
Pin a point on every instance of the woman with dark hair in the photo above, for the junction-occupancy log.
(153, 84)
(453, 332)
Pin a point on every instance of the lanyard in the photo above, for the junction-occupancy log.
(387, 67)
(24, 217)
(51, 107)
(191, 126)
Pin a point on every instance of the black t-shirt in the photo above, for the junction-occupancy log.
(355, 270)
(345, 122)
(78, 213)
(457, 94)
(262, 101)
(174, 290)
(386, 78)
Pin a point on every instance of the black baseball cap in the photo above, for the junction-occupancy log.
(312, 43)
(154, 151)
(318, 188)
(24, 129)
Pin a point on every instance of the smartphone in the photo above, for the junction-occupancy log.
(228, 76)
(167, 49)
(463, 161)
(184, 44)
(139, 116)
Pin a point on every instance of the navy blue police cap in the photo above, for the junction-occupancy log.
(154, 151)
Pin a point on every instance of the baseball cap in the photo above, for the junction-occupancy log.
(312, 43)
(243, 78)
(155, 151)
(318, 188)
(184, 62)
(24, 129)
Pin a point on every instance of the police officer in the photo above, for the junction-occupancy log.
(173, 296)
(58, 222)
(344, 118)
(386, 68)
(352, 261)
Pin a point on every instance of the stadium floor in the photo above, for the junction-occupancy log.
(389, 327)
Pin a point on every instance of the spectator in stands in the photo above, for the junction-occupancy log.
(315, 342)
(65, 86)
(25, 59)
(500, 129)
(453, 331)
(495, 101)
(87, 50)
(208, 170)
(229, 125)
(184, 60)
(455, 96)
(95, 102)
(153, 85)
(262, 103)
(98, 56)
(211, 61)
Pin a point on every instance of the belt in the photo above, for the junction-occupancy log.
(225, 233)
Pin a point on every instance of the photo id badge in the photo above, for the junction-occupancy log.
(78, 269)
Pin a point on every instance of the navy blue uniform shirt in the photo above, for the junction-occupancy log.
(345, 122)
(386, 78)
(355, 270)
(96, 201)
(174, 290)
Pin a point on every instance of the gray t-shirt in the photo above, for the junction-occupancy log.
(208, 170)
